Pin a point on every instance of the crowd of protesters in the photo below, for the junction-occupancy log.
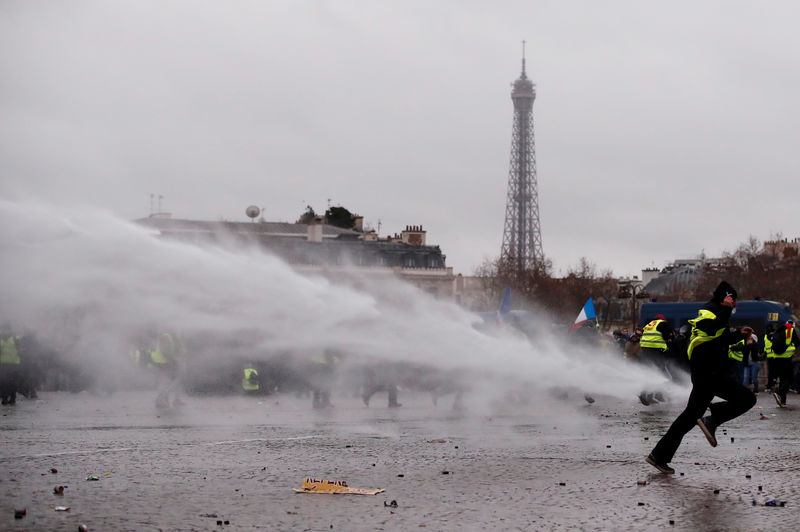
(752, 362)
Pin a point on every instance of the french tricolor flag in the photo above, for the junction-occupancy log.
(587, 313)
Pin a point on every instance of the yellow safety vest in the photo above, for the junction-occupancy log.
(157, 355)
(9, 354)
(250, 380)
(651, 337)
(768, 347)
(735, 354)
(699, 337)
(790, 347)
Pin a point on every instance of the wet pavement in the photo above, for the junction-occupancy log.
(230, 464)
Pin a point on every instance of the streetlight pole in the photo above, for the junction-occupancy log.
(636, 291)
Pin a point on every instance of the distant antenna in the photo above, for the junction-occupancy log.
(160, 197)
(152, 196)
(379, 226)
(252, 212)
(523, 59)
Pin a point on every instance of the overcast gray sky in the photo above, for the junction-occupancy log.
(662, 129)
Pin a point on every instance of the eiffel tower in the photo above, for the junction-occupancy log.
(522, 236)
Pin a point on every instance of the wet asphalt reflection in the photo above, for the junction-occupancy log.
(230, 463)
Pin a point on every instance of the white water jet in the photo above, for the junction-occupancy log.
(87, 283)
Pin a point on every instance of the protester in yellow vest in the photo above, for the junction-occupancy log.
(166, 356)
(784, 345)
(654, 343)
(10, 359)
(321, 375)
(250, 381)
(711, 377)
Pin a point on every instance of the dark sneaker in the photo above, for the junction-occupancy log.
(777, 398)
(708, 428)
(664, 468)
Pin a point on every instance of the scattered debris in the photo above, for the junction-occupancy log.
(219, 522)
(437, 441)
(347, 446)
(58, 490)
(53, 470)
(19, 514)
(642, 483)
(646, 438)
(209, 515)
(681, 473)
(392, 504)
(401, 475)
(445, 472)
(748, 476)
(589, 399)
(759, 488)
(226, 522)
(731, 439)
(562, 483)
(716, 492)
(640, 504)
(61, 508)
(672, 521)
(775, 502)
(311, 485)
(763, 417)
(82, 528)
(92, 477)
(456, 446)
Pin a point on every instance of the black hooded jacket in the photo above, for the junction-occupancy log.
(712, 356)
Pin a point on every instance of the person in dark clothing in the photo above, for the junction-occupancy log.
(380, 379)
(784, 345)
(751, 361)
(11, 355)
(710, 369)
(678, 362)
(620, 340)
(770, 356)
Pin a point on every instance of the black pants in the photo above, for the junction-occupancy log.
(705, 386)
(783, 371)
(656, 358)
(771, 377)
(9, 383)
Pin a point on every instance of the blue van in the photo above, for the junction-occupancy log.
(756, 314)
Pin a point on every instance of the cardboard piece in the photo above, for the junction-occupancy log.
(313, 485)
